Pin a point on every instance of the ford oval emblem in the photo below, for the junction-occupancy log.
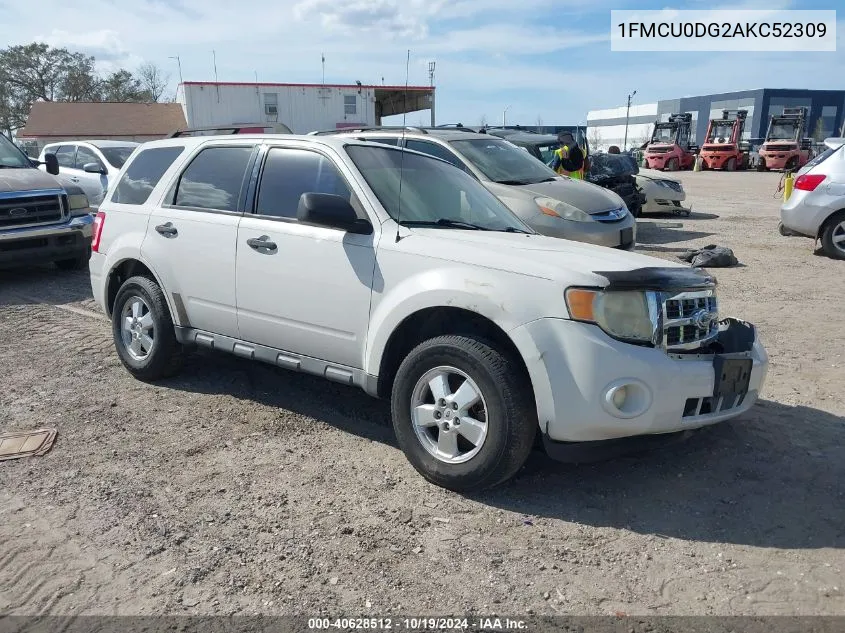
(17, 211)
(703, 319)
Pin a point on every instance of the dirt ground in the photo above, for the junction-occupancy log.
(240, 488)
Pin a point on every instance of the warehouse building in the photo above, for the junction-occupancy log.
(301, 107)
(826, 109)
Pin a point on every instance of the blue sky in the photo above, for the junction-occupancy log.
(546, 60)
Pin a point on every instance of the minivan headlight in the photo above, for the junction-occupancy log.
(79, 204)
(560, 209)
(623, 314)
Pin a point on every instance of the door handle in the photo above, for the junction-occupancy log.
(168, 230)
(74, 179)
(262, 243)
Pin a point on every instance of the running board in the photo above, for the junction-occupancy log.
(280, 358)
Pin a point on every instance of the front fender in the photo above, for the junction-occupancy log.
(489, 293)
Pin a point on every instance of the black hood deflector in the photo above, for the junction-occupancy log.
(657, 278)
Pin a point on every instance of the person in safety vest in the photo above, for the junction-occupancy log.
(569, 158)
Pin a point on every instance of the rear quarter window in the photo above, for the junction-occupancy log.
(143, 174)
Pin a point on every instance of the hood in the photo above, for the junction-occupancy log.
(566, 261)
(653, 174)
(26, 179)
(582, 195)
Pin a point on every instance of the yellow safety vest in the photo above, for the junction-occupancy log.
(562, 153)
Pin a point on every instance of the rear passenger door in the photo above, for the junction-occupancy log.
(191, 237)
(309, 292)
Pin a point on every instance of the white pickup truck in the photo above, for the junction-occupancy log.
(399, 273)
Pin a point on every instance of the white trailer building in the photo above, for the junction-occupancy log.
(302, 107)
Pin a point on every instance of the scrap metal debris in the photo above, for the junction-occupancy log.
(710, 256)
(26, 443)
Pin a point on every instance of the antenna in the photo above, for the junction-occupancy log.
(402, 155)
(214, 57)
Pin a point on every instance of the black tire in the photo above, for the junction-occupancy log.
(510, 411)
(791, 164)
(74, 263)
(730, 165)
(672, 164)
(831, 227)
(167, 355)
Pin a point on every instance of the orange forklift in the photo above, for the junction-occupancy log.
(723, 147)
(785, 146)
(669, 148)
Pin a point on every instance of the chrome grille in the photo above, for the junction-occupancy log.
(24, 209)
(690, 319)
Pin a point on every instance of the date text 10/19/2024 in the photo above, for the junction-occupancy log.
(418, 624)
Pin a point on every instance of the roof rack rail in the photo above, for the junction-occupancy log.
(235, 128)
(367, 128)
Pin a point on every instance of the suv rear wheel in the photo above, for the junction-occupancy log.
(833, 236)
(463, 412)
(143, 331)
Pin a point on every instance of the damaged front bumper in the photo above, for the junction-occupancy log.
(577, 369)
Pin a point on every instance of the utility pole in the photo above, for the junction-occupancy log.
(627, 113)
(504, 116)
(431, 85)
(179, 65)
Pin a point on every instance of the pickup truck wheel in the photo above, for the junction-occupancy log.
(75, 263)
(143, 331)
(833, 236)
(462, 412)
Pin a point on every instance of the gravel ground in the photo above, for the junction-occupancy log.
(239, 488)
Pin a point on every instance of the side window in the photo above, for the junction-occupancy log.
(143, 174)
(288, 173)
(65, 155)
(433, 149)
(85, 156)
(213, 179)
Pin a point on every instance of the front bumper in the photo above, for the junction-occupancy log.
(775, 160)
(46, 243)
(573, 365)
(621, 234)
(716, 160)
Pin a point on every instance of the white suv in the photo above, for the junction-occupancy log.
(401, 274)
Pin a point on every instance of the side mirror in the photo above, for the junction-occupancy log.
(52, 164)
(324, 209)
(94, 168)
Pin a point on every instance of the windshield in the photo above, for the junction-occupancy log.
(117, 155)
(11, 156)
(612, 166)
(503, 162)
(664, 134)
(720, 133)
(782, 132)
(433, 192)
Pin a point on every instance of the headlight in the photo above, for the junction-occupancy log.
(559, 209)
(78, 203)
(623, 314)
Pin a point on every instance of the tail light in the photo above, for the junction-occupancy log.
(808, 182)
(99, 221)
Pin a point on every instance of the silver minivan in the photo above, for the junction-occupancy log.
(551, 204)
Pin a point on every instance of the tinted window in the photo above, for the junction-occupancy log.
(433, 149)
(385, 140)
(65, 154)
(143, 174)
(288, 173)
(117, 155)
(214, 179)
(85, 156)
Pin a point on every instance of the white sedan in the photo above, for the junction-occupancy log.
(663, 194)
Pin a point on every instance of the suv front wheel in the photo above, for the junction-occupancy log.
(463, 412)
(143, 331)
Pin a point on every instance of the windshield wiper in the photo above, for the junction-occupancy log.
(512, 229)
(452, 224)
(2, 166)
(513, 182)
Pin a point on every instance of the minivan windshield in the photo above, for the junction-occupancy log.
(503, 162)
(10, 156)
(434, 193)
